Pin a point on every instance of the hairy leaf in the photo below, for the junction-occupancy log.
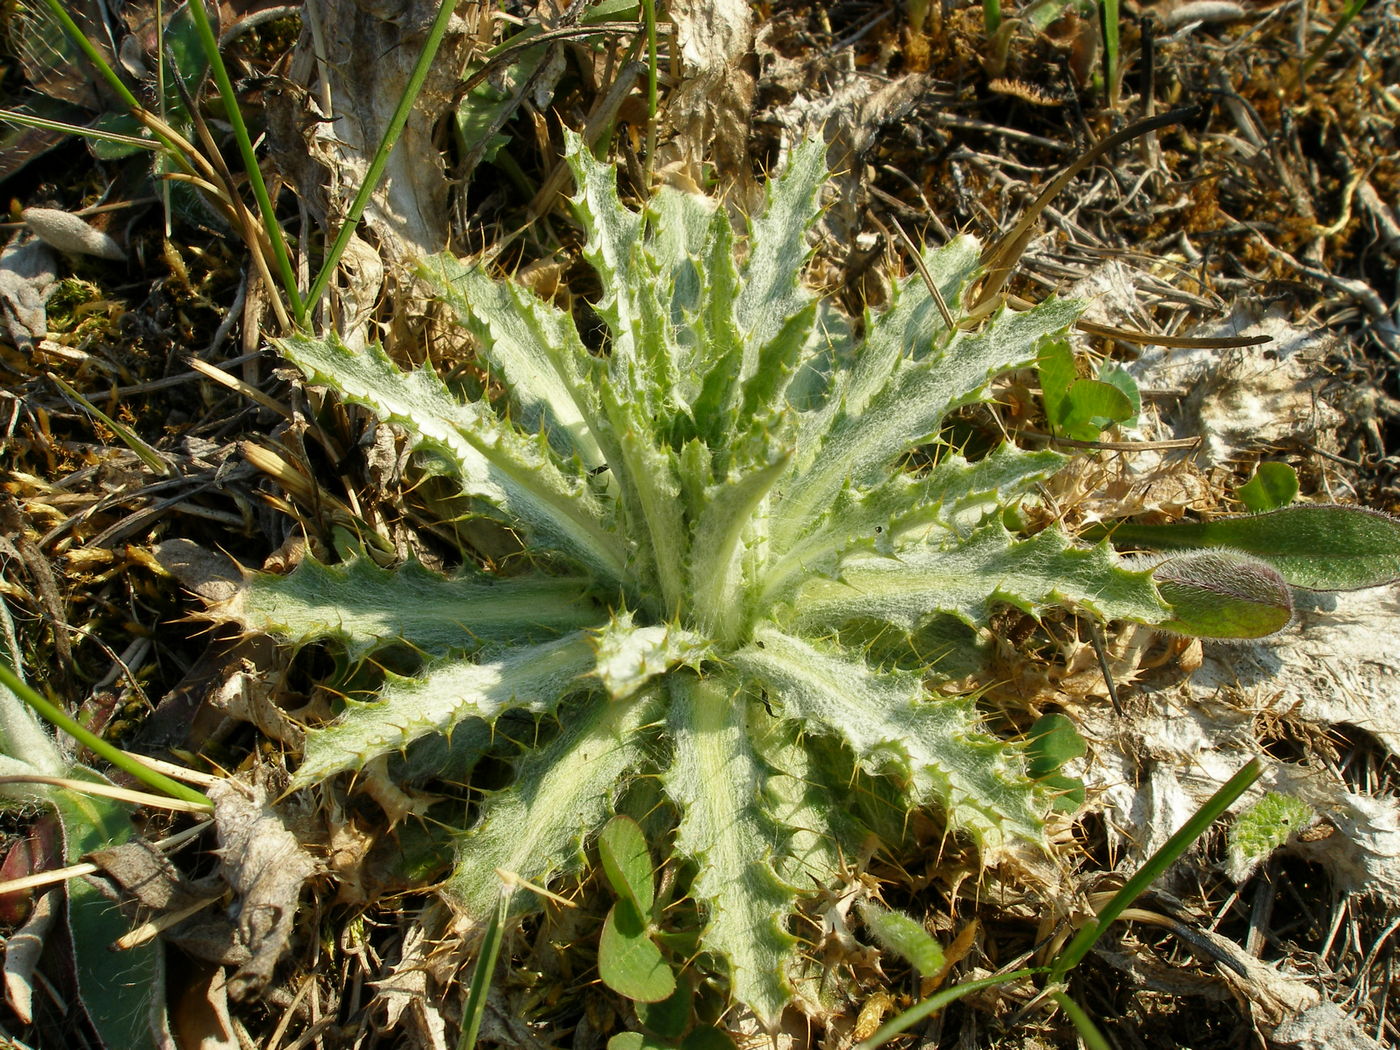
(410, 605)
(1321, 547)
(717, 780)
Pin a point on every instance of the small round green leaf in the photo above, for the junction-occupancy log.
(628, 961)
(670, 1017)
(1223, 594)
(1090, 406)
(1052, 741)
(1274, 485)
(1115, 375)
(627, 863)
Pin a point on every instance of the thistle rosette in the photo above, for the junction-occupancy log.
(716, 511)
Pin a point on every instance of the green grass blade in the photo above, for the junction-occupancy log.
(934, 1003)
(1089, 1033)
(95, 744)
(250, 160)
(29, 121)
(1156, 865)
(474, 1011)
(129, 437)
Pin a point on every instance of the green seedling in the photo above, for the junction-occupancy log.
(1081, 408)
(713, 525)
(629, 961)
(1274, 486)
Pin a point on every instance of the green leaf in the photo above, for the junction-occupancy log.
(716, 569)
(911, 327)
(1265, 826)
(533, 678)
(1058, 371)
(1223, 594)
(716, 780)
(897, 932)
(1116, 375)
(1321, 547)
(514, 473)
(474, 1009)
(1092, 406)
(629, 656)
(908, 587)
(1052, 741)
(629, 962)
(1274, 485)
(627, 862)
(708, 1039)
(670, 1017)
(772, 291)
(859, 447)
(119, 990)
(408, 604)
(935, 747)
(636, 1041)
(562, 793)
(629, 305)
(534, 348)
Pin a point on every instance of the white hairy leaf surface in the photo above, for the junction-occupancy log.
(717, 780)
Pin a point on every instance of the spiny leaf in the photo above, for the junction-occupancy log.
(493, 461)
(408, 605)
(716, 573)
(1264, 827)
(628, 656)
(906, 509)
(535, 349)
(534, 678)
(562, 793)
(910, 409)
(772, 290)
(909, 329)
(968, 580)
(933, 747)
(716, 781)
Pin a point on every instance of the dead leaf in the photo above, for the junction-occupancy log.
(266, 866)
(28, 273)
(199, 1014)
(22, 951)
